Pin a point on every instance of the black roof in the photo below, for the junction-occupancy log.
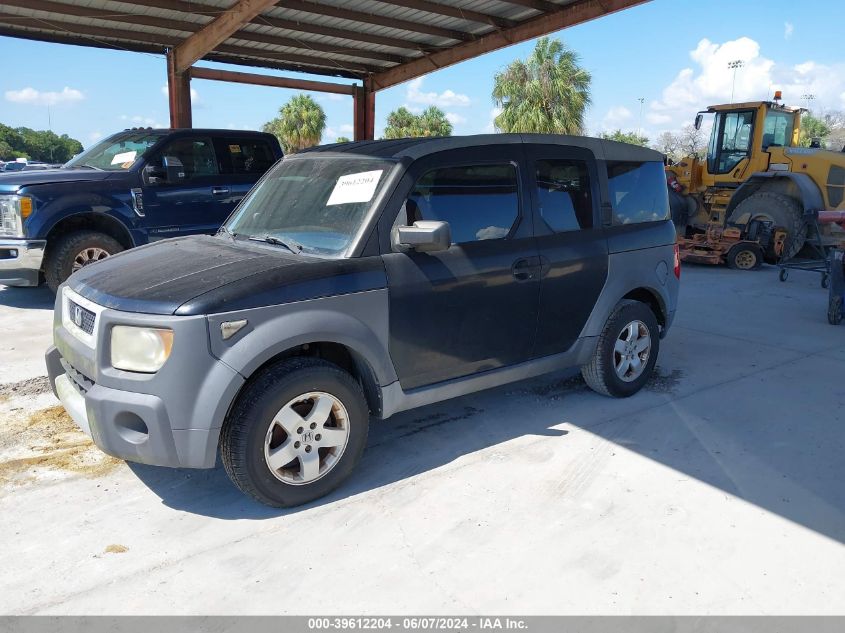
(162, 131)
(418, 147)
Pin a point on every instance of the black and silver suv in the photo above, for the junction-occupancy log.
(364, 279)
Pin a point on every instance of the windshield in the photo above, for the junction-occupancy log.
(116, 153)
(317, 203)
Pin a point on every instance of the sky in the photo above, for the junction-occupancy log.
(672, 54)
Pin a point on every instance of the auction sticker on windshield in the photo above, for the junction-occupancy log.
(355, 188)
(125, 157)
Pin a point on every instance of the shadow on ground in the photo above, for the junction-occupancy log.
(40, 298)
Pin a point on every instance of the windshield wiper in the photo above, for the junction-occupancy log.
(292, 245)
(225, 229)
(89, 166)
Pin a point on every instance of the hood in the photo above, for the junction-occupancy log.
(207, 275)
(15, 179)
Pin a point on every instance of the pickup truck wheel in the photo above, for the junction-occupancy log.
(296, 433)
(626, 351)
(74, 251)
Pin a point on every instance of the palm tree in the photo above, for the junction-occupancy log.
(547, 93)
(402, 123)
(300, 124)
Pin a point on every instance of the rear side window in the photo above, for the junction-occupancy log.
(195, 154)
(246, 156)
(480, 202)
(638, 192)
(563, 194)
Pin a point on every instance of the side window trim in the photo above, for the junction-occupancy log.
(518, 177)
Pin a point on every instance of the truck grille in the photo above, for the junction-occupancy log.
(81, 317)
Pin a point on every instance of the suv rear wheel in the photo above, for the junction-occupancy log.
(626, 351)
(296, 433)
(74, 251)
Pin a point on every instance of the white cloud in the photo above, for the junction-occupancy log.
(330, 96)
(445, 99)
(142, 121)
(788, 30)
(490, 128)
(616, 117)
(708, 81)
(346, 129)
(455, 119)
(31, 96)
(95, 136)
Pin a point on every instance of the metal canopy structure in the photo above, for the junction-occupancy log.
(379, 42)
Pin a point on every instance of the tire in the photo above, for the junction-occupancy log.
(782, 211)
(69, 252)
(744, 257)
(251, 435)
(601, 373)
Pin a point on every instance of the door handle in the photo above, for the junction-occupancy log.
(526, 268)
(219, 191)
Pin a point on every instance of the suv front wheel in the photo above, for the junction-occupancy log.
(626, 351)
(296, 433)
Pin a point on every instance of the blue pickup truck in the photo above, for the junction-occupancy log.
(135, 187)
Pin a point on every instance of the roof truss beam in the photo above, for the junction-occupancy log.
(451, 11)
(216, 32)
(59, 9)
(564, 16)
(372, 18)
(214, 74)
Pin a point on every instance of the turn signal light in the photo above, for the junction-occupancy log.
(26, 206)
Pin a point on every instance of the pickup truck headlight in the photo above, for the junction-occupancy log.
(140, 349)
(13, 211)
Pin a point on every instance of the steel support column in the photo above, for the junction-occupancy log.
(178, 94)
(364, 121)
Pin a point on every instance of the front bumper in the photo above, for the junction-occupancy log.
(171, 418)
(131, 426)
(20, 261)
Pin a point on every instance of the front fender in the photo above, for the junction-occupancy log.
(60, 208)
(807, 190)
(359, 321)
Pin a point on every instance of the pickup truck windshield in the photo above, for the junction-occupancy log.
(317, 203)
(116, 153)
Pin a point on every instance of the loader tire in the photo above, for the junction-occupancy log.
(782, 211)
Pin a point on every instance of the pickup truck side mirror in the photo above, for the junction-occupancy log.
(425, 236)
(171, 171)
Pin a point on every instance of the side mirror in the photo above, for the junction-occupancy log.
(174, 169)
(425, 236)
(698, 119)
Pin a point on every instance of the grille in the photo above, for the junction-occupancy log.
(835, 185)
(81, 317)
(79, 380)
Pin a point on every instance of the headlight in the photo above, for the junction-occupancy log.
(141, 349)
(13, 211)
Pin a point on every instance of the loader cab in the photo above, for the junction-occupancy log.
(743, 136)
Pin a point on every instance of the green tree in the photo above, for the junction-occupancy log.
(43, 145)
(403, 123)
(812, 128)
(626, 137)
(547, 93)
(342, 139)
(300, 124)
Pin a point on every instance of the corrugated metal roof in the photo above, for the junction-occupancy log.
(346, 38)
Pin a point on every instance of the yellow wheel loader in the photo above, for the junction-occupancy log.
(755, 174)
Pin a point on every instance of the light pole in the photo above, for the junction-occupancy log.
(640, 123)
(734, 65)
